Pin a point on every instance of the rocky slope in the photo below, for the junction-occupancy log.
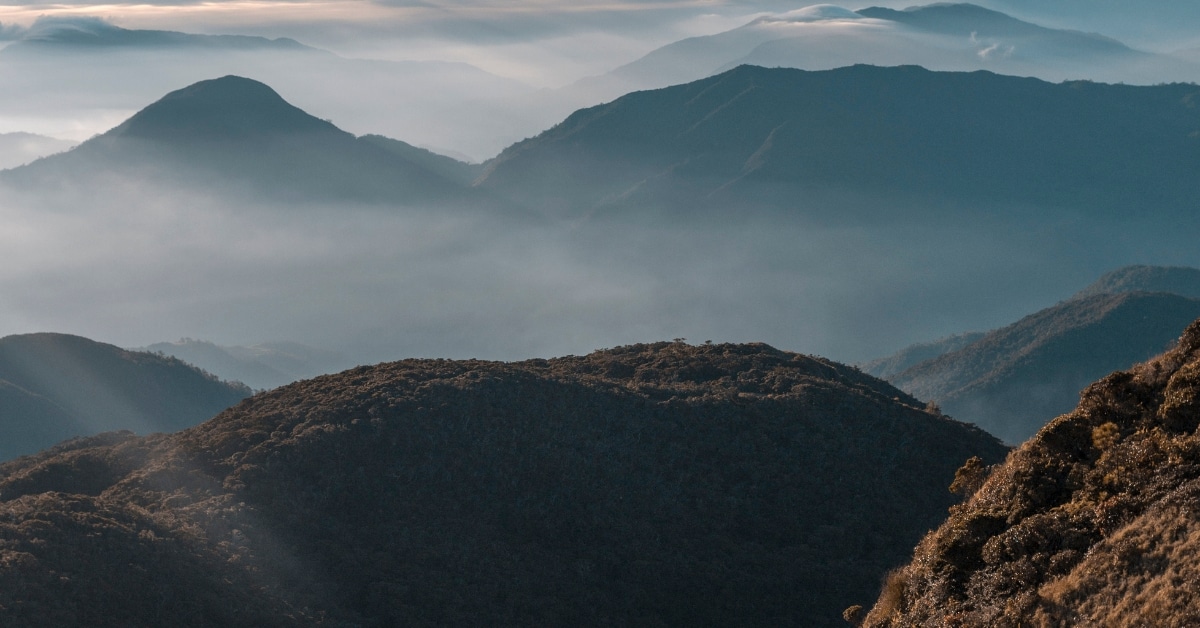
(1089, 523)
(658, 484)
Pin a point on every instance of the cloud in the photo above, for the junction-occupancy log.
(11, 32)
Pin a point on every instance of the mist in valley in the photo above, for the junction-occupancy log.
(139, 262)
(136, 265)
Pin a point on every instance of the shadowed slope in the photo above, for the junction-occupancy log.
(654, 484)
(1015, 379)
(56, 386)
(1091, 522)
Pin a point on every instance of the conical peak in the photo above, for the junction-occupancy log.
(225, 108)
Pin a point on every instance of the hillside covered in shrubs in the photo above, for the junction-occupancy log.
(654, 485)
(1091, 522)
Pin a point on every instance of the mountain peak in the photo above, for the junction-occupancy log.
(222, 108)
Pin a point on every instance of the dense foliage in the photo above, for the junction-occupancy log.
(660, 484)
(1091, 522)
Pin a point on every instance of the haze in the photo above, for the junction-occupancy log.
(139, 265)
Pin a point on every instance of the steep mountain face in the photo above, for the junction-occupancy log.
(1089, 523)
(780, 137)
(1015, 379)
(236, 135)
(55, 386)
(658, 484)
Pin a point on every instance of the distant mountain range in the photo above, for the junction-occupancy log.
(77, 72)
(17, 149)
(262, 366)
(664, 483)
(74, 34)
(942, 36)
(800, 141)
(236, 135)
(1086, 524)
(1012, 380)
(54, 387)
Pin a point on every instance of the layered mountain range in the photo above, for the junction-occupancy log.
(1013, 380)
(651, 484)
(56, 386)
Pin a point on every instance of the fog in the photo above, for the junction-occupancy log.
(134, 265)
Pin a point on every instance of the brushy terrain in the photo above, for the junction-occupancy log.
(1092, 522)
(661, 484)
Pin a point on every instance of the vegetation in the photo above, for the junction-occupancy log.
(661, 484)
(1088, 523)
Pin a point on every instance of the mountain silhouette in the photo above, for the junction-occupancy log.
(908, 357)
(1087, 523)
(968, 20)
(56, 386)
(1013, 380)
(236, 135)
(942, 36)
(49, 34)
(261, 366)
(660, 484)
(959, 143)
(1180, 280)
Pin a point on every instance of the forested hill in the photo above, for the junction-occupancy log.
(661, 484)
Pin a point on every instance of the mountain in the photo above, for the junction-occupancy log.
(660, 484)
(887, 367)
(1180, 280)
(862, 140)
(21, 148)
(56, 386)
(942, 36)
(262, 366)
(233, 134)
(59, 34)
(78, 76)
(1015, 379)
(1087, 523)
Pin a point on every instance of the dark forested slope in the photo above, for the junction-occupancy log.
(655, 484)
(1091, 522)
